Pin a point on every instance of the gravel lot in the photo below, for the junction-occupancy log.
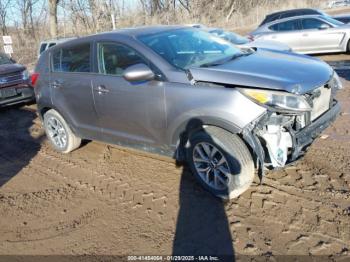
(103, 199)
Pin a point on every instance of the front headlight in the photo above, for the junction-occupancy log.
(338, 84)
(25, 75)
(280, 101)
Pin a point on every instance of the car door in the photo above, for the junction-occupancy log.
(71, 88)
(129, 113)
(318, 35)
(287, 32)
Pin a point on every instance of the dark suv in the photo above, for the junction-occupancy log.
(15, 85)
(181, 92)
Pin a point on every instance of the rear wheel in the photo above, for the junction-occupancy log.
(221, 162)
(59, 133)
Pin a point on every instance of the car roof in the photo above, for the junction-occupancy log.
(57, 40)
(291, 18)
(144, 30)
(292, 11)
(125, 32)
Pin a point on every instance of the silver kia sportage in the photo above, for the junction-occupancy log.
(182, 92)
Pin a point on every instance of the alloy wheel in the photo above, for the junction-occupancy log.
(56, 132)
(211, 165)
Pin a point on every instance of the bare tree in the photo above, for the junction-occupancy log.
(53, 17)
(4, 6)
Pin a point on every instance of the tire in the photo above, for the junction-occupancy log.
(61, 138)
(227, 180)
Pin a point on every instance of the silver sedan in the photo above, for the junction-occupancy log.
(307, 34)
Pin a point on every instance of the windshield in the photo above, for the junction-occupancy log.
(229, 36)
(5, 60)
(190, 47)
(235, 38)
(332, 21)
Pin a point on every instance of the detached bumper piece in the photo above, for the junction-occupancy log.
(15, 95)
(304, 137)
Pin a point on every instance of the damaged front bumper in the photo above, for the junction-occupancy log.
(276, 142)
(304, 137)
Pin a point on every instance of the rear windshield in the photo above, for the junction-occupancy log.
(5, 60)
(332, 21)
(42, 47)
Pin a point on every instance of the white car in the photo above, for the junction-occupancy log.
(248, 43)
(44, 45)
(338, 3)
(308, 34)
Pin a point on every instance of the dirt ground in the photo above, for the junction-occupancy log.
(107, 200)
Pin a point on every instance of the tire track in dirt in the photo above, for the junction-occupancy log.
(126, 190)
(29, 208)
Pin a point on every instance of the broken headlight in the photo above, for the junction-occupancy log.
(337, 83)
(280, 101)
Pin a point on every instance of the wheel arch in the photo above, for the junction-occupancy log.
(190, 126)
(45, 108)
(180, 135)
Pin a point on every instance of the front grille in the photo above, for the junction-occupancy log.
(10, 79)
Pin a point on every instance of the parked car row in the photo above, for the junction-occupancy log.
(245, 42)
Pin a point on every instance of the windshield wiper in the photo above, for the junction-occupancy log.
(225, 60)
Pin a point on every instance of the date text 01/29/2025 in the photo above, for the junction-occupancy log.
(173, 258)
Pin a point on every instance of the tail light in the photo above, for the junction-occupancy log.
(34, 78)
(251, 38)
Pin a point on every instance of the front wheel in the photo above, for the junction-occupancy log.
(59, 133)
(221, 162)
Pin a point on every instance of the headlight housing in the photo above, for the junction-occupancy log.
(278, 101)
(338, 84)
(25, 75)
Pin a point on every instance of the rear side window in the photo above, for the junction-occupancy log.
(291, 25)
(114, 58)
(72, 59)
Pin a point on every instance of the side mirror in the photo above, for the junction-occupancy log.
(138, 72)
(323, 27)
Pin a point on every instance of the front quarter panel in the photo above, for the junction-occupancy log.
(212, 105)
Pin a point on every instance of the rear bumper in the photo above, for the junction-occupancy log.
(303, 138)
(25, 94)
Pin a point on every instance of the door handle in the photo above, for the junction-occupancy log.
(56, 84)
(101, 89)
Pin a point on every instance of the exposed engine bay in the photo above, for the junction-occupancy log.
(281, 132)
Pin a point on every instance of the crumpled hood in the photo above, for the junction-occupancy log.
(10, 68)
(268, 69)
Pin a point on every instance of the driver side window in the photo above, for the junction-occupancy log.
(114, 58)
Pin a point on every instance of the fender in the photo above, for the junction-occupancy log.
(193, 124)
(179, 137)
(51, 106)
